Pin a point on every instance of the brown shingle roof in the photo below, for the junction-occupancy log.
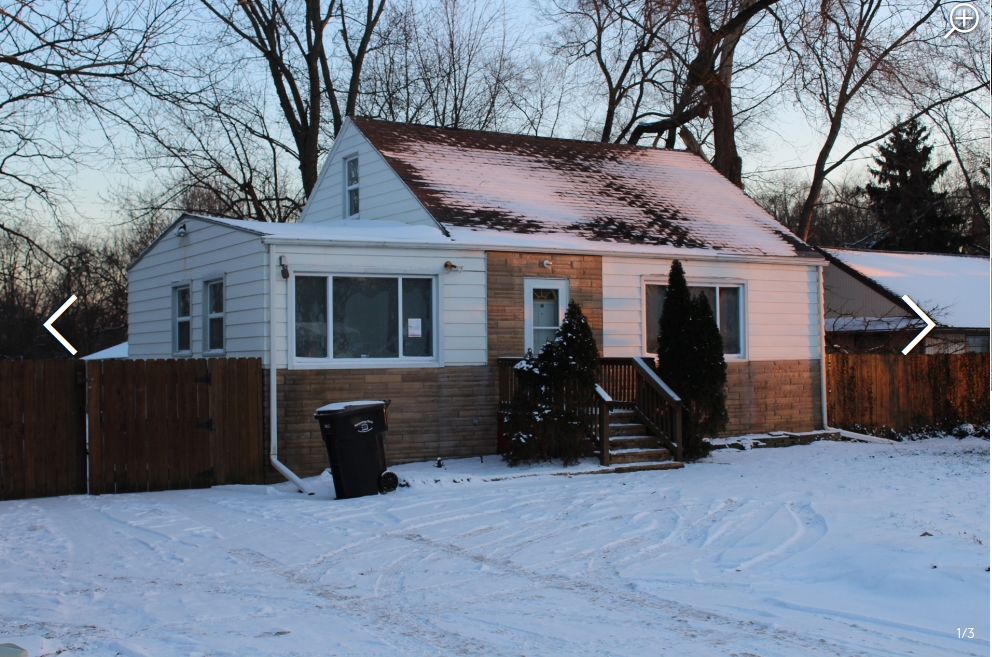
(607, 192)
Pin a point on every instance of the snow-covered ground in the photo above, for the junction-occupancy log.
(807, 550)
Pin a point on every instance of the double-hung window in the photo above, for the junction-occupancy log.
(214, 316)
(181, 303)
(351, 199)
(725, 302)
(355, 317)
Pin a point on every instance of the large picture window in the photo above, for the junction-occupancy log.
(725, 301)
(370, 317)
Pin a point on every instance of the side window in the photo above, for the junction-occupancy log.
(214, 316)
(311, 317)
(351, 205)
(182, 319)
(725, 302)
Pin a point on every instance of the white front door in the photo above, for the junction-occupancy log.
(545, 300)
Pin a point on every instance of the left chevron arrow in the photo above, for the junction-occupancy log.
(51, 320)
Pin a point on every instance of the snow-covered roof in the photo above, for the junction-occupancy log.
(117, 351)
(954, 288)
(612, 193)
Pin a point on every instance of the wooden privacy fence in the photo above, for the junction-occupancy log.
(172, 424)
(153, 425)
(42, 429)
(907, 392)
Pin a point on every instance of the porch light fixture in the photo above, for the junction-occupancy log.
(181, 231)
(285, 267)
(545, 263)
(450, 267)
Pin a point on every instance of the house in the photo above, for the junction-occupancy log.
(865, 311)
(424, 255)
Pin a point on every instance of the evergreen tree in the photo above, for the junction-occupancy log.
(548, 416)
(690, 361)
(916, 216)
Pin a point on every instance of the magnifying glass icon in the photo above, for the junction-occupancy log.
(964, 19)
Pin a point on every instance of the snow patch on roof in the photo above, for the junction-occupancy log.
(955, 287)
(599, 192)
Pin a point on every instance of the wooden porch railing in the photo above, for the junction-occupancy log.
(624, 383)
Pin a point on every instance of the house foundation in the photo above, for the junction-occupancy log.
(447, 412)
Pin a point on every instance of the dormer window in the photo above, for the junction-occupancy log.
(351, 187)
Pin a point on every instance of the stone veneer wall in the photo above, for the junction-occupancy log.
(448, 412)
(773, 395)
(505, 274)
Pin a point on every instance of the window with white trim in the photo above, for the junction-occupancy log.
(724, 300)
(214, 316)
(545, 300)
(351, 198)
(355, 317)
(181, 331)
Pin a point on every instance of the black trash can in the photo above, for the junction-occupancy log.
(353, 435)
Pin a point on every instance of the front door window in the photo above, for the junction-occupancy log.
(545, 316)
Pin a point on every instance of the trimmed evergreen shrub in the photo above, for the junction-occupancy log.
(690, 361)
(549, 414)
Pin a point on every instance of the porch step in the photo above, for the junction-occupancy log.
(627, 429)
(633, 442)
(622, 415)
(639, 455)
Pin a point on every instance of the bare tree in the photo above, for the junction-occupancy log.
(717, 29)
(626, 45)
(64, 66)
(865, 56)
(450, 64)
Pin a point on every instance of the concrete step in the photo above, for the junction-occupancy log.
(634, 442)
(638, 455)
(627, 429)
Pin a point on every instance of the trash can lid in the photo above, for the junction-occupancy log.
(340, 406)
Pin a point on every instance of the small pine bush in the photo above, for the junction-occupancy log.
(549, 414)
(690, 361)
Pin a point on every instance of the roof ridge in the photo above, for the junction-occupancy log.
(522, 135)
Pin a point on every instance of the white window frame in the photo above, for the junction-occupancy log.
(176, 319)
(330, 362)
(700, 282)
(345, 198)
(207, 315)
(560, 284)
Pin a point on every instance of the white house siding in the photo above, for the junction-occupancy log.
(382, 195)
(461, 294)
(781, 318)
(207, 252)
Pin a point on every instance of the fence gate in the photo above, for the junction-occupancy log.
(42, 429)
(172, 424)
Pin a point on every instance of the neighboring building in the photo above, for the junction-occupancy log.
(425, 254)
(865, 312)
(110, 353)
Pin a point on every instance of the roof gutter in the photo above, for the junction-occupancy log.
(800, 261)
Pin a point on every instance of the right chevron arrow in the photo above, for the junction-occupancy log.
(923, 333)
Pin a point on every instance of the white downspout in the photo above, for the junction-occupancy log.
(273, 405)
(823, 350)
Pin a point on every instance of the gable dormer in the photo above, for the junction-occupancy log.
(357, 184)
